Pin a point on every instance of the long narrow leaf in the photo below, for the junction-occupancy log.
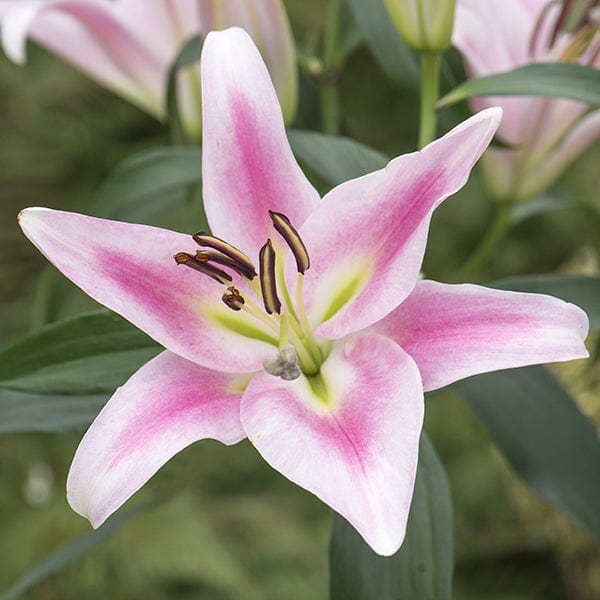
(88, 354)
(544, 436)
(149, 183)
(336, 159)
(556, 80)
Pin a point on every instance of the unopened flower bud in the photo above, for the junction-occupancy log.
(424, 24)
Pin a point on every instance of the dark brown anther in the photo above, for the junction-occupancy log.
(206, 256)
(210, 241)
(183, 258)
(232, 298)
(290, 235)
(268, 287)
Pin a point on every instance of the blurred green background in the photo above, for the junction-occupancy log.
(233, 527)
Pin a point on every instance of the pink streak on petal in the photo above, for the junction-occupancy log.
(359, 453)
(377, 225)
(454, 331)
(167, 405)
(130, 269)
(248, 166)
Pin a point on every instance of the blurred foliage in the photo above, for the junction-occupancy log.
(239, 529)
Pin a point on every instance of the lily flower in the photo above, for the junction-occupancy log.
(299, 322)
(129, 46)
(544, 135)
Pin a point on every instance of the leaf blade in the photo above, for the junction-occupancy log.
(91, 353)
(544, 436)
(148, 183)
(334, 158)
(554, 80)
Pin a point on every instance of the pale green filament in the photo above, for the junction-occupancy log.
(284, 326)
(279, 262)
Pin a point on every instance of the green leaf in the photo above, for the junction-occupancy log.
(149, 183)
(336, 159)
(72, 552)
(393, 55)
(555, 80)
(584, 291)
(422, 568)
(544, 436)
(22, 412)
(92, 353)
(549, 202)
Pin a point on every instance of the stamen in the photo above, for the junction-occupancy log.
(285, 364)
(210, 241)
(183, 258)
(205, 256)
(232, 298)
(290, 235)
(268, 287)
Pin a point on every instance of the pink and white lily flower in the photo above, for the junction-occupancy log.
(303, 325)
(544, 134)
(129, 46)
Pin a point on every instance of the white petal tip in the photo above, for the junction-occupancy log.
(496, 113)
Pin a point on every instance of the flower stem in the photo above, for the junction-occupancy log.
(488, 243)
(329, 97)
(430, 90)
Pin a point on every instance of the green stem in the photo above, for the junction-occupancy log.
(430, 91)
(490, 241)
(329, 97)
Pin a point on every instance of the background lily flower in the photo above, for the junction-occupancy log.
(319, 351)
(545, 134)
(129, 45)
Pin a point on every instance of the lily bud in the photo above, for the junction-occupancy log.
(424, 24)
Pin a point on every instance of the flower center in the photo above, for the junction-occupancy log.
(298, 351)
(579, 19)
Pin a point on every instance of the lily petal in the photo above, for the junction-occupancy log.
(247, 163)
(267, 23)
(130, 269)
(454, 331)
(494, 36)
(367, 238)
(90, 37)
(582, 135)
(168, 404)
(351, 439)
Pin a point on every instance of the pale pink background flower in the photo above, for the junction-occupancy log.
(546, 135)
(129, 45)
(347, 429)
